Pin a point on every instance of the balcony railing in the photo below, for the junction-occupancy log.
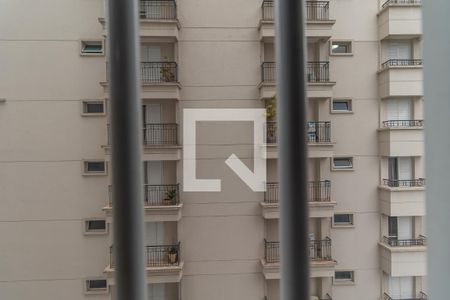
(157, 10)
(421, 296)
(420, 182)
(157, 195)
(315, 10)
(401, 2)
(157, 256)
(317, 132)
(318, 250)
(316, 72)
(401, 63)
(402, 123)
(319, 191)
(394, 242)
(159, 72)
(161, 134)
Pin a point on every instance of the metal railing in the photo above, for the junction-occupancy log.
(420, 182)
(157, 195)
(316, 71)
(401, 2)
(316, 132)
(315, 10)
(401, 63)
(318, 250)
(394, 242)
(319, 191)
(159, 72)
(402, 123)
(421, 296)
(157, 256)
(157, 10)
(161, 134)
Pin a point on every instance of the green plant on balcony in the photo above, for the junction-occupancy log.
(170, 197)
(167, 71)
(172, 255)
(271, 108)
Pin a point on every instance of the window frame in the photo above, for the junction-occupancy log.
(350, 47)
(349, 102)
(344, 225)
(94, 291)
(85, 103)
(88, 231)
(85, 42)
(350, 168)
(86, 172)
(344, 281)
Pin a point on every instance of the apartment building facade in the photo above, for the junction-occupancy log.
(364, 133)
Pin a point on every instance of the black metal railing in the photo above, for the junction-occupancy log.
(402, 123)
(316, 71)
(420, 296)
(401, 2)
(395, 242)
(315, 10)
(157, 10)
(316, 132)
(318, 250)
(319, 191)
(160, 134)
(157, 195)
(401, 63)
(157, 256)
(159, 72)
(420, 182)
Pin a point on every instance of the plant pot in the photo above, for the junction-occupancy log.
(167, 201)
(173, 258)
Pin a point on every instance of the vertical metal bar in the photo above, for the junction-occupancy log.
(291, 94)
(126, 128)
(436, 42)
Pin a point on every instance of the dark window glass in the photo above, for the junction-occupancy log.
(343, 275)
(95, 166)
(341, 47)
(96, 284)
(99, 225)
(94, 108)
(393, 227)
(343, 219)
(343, 162)
(341, 105)
(92, 47)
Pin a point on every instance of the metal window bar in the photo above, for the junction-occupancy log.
(401, 2)
(402, 123)
(401, 63)
(160, 134)
(315, 10)
(318, 250)
(317, 132)
(157, 10)
(159, 72)
(421, 296)
(394, 242)
(316, 72)
(157, 195)
(319, 191)
(420, 182)
(157, 256)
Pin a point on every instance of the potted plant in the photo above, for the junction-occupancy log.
(170, 197)
(167, 74)
(173, 255)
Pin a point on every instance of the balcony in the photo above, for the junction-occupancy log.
(321, 262)
(403, 257)
(400, 19)
(163, 264)
(318, 22)
(421, 296)
(318, 135)
(320, 204)
(161, 203)
(160, 141)
(401, 78)
(402, 197)
(401, 138)
(317, 76)
(158, 19)
(159, 80)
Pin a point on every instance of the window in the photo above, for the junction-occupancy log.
(344, 277)
(342, 163)
(95, 226)
(341, 106)
(341, 48)
(92, 47)
(93, 107)
(343, 220)
(96, 286)
(94, 167)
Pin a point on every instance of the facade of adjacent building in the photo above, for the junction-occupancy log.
(364, 133)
